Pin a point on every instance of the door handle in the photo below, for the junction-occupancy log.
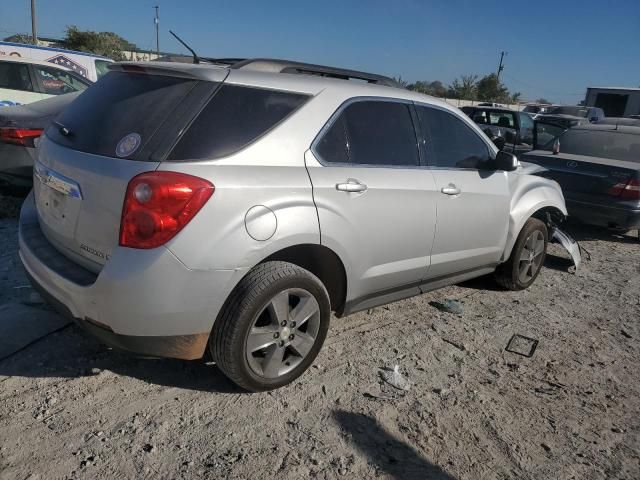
(351, 185)
(451, 189)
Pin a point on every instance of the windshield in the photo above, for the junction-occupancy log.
(612, 144)
(573, 111)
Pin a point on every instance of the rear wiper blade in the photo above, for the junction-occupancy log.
(63, 130)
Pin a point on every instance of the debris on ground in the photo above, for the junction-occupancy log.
(394, 378)
(522, 345)
(449, 306)
(569, 244)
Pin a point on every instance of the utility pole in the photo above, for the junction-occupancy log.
(501, 67)
(34, 32)
(157, 22)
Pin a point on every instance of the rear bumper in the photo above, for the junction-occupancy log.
(144, 301)
(186, 347)
(618, 216)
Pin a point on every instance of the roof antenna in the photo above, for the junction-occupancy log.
(195, 56)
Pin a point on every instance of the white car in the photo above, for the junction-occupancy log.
(25, 81)
(87, 65)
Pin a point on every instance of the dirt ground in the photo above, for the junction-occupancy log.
(72, 408)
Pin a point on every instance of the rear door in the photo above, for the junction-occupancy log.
(472, 203)
(109, 134)
(376, 202)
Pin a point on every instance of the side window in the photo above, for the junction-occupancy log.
(102, 67)
(233, 118)
(15, 76)
(450, 142)
(371, 133)
(57, 82)
(526, 121)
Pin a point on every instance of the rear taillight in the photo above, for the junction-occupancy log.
(158, 205)
(630, 190)
(20, 136)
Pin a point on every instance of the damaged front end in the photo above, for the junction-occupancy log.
(560, 236)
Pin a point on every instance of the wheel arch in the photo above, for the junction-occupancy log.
(539, 198)
(324, 263)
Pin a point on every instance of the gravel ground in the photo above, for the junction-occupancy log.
(72, 408)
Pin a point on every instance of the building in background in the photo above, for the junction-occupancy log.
(615, 101)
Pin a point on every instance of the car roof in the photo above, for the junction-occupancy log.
(32, 62)
(294, 82)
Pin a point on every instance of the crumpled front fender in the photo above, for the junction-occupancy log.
(530, 194)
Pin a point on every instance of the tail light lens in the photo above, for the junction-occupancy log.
(158, 205)
(630, 190)
(20, 136)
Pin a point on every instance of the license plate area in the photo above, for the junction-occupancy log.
(58, 200)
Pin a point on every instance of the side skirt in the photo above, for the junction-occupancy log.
(406, 291)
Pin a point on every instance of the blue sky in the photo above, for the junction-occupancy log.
(555, 48)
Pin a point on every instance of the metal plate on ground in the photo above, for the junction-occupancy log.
(522, 345)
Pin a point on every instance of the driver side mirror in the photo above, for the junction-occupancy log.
(505, 161)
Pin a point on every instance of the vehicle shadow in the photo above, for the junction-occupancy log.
(394, 457)
(72, 353)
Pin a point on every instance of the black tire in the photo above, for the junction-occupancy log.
(251, 297)
(508, 274)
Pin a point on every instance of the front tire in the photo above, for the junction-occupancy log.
(272, 326)
(527, 257)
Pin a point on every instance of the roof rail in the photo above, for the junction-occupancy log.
(286, 66)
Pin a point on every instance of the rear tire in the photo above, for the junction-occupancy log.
(271, 327)
(527, 257)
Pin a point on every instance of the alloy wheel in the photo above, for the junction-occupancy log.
(531, 257)
(283, 333)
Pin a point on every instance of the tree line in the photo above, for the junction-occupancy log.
(107, 44)
(468, 87)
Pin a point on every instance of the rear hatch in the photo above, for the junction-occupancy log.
(593, 163)
(587, 178)
(123, 125)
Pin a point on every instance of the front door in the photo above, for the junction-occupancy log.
(473, 203)
(376, 202)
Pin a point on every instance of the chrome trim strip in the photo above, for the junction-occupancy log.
(56, 181)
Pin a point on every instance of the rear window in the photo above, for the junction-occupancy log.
(120, 113)
(604, 144)
(235, 117)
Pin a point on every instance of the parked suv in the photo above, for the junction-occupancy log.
(178, 208)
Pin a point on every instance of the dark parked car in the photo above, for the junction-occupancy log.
(516, 128)
(570, 116)
(630, 122)
(20, 126)
(598, 168)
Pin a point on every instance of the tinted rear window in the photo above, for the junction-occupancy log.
(235, 117)
(604, 144)
(120, 107)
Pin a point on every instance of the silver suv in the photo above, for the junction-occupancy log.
(183, 208)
